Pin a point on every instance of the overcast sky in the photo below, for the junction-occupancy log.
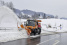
(55, 7)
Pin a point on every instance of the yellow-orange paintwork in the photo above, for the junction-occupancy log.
(31, 27)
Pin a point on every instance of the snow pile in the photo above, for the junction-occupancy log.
(8, 26)
(8, 18)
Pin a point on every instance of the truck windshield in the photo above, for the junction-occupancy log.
(30, 23)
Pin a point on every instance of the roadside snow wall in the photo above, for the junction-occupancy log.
(8, 26)
(8, 18)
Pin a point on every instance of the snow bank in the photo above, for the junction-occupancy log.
(8, 18)
(9, 26)
(6, 35)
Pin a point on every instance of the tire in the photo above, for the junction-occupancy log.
(31, 32)
(34, 32)
(39, 30)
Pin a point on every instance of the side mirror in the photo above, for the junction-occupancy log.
(25, 23)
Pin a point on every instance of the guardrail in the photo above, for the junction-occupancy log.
(52, 27)
(8, 28)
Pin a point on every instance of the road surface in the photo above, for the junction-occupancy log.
(56, 39)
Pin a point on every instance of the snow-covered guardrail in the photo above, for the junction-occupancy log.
(8, 28)
(51, 26)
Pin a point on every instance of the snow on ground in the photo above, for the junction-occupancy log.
(9, 23)
(55, 25)
(9, 35)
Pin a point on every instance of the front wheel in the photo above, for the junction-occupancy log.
(34, 31)
(39, 30)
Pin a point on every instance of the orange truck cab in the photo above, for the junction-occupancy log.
(33, 27)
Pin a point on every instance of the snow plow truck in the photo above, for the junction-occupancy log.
(33, 27)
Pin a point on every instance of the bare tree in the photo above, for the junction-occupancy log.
(44, 15)
(56, 16)
(11, 5)
(2, 3)
(35, 16)
(7, 4)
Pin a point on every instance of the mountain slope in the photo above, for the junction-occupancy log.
(29, 12)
